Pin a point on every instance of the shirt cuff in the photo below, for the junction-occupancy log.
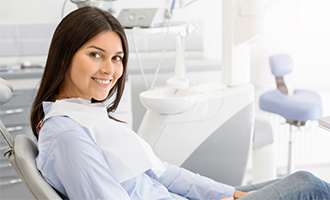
(222, 191)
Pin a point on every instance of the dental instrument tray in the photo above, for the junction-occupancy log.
(324, 122)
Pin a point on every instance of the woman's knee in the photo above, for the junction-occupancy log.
(303, 175)
(305, 178)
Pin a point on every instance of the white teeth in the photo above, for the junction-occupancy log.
(101, 81)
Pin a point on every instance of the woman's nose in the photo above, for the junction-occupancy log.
(108, 68)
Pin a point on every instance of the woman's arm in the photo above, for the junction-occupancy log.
(193, 186)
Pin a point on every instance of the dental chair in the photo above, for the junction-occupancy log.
(22, 153)
(296, 108)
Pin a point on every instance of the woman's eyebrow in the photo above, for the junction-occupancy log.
(97, 48)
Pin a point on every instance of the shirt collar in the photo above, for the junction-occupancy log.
(47, 105)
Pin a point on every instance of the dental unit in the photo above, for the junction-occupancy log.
(209, 128)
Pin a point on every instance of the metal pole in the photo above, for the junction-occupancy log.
(290, 156)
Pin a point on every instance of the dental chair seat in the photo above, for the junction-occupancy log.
(303, 105)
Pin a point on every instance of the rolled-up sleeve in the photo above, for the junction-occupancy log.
(192, 186)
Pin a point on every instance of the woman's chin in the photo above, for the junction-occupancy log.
(100, 98)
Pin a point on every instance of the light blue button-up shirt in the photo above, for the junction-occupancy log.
(71, 162)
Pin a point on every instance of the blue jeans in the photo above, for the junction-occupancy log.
(300, 185)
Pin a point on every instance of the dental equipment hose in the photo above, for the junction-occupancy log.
(164, 46)
(62, 13)
(189, 3)
(138, 59)
(161, 56)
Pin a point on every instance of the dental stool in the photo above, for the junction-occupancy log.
(301, 106)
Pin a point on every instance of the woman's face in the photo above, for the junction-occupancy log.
(95, 68)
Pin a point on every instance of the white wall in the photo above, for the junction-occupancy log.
(32, 11)
(300, 28)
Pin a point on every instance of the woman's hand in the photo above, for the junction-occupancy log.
(237, 195)
(228, 198)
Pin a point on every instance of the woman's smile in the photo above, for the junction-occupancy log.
(102, 82)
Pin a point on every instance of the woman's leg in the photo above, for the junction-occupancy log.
(300, 185)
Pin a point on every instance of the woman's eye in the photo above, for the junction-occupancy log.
(117, 58)
(96, 55)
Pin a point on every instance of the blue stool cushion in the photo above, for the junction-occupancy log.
(303, 105)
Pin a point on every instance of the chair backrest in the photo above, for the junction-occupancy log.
(281, 65)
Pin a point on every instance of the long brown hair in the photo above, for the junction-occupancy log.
(72, 32)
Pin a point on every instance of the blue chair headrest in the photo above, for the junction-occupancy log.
(281, 64)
